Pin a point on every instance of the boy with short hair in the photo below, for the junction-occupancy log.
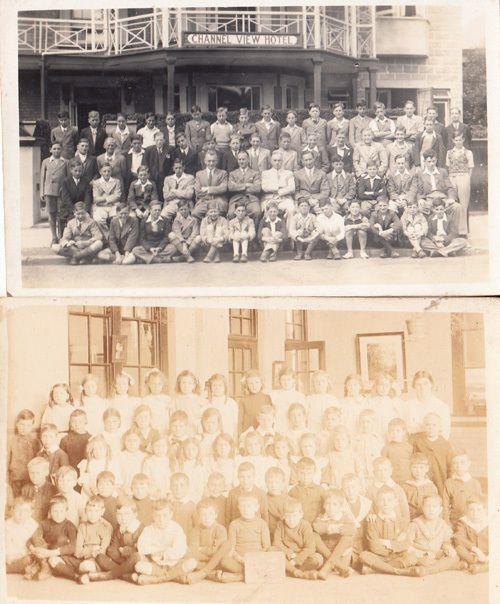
(184, 237)
(95, 133)
(471, 536)
(304, 230)
(271, 233)
(52, 172)
(123, 235)
(383, 128)
(93, 538)
(295, 537)
(419, 486)
(442, 235)
(82, 238)
(382, 470)
(107, 194)
(357, 225)
(153, 237)
(316, 125)
(185, 154)
(258, 156)
(74, 444)
(342, 186)
(246, 486)
(178, 432)
(230, 155)
(310, 494)
(74, 188)
(197, 130)
(177, 188)
(400, 184)
(49, 436)
(276, 497)
(65, 135)
(106, 489)
(140, 489)
(398, 450)
(148, 131)
(331, 229)
(142, 193)
(22, 447)
(385, 227)
(183, 509)
(66, 481)
(319, 153)
(367, 443)
(368, 151)
(410, 123)
(361, 508)
(268, 129)
(216, 488)
(358, 123)
(245, 185)
(213, 232)
(241, 232)
(39, 489)
(459, 488)
(341, 150)
(18, 530)
(414, 226)
(370, 187)
(221, 130)
(117, 164)
(290, 156)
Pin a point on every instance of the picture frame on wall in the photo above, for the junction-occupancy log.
(119, 349)
(382, 353)
(277, 367)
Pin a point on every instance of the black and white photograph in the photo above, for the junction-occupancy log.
(225, 458)
(331, 149)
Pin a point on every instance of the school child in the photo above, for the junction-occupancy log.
(92, 539)
(415, 227)
(130, 459)
(318, 152)
(39, 489)
(74, 444)
(221, 130)
(331, 230)
(95, 133)
(471, 536)
(88, 160)
(246, 480)
(120, 558)
(93, 405)
(385, 227)
(265, 428)
(294, 536)
(179, 431)
(66, 481)
(281, 451)
(276, 495)
(370, 187)
(122, 401)
(178, 188)
(140, 492)
(53, 545)
(215, 493)
(252, 402)
(309, 446)
(259, 158)
(21, 449)
(142, 193)
(358, 123)
(112, 432)
(336, 529)
(247, 533)
(244, 186)
(304, 230)
(410, 123)
(214, 232)
(107, 194)
(74, 188)
(188, 399)
(368, 151)
(52, 172)
(367, 442)
(353, 402)
(361, 508)
(382, 476)
(50, 449)
(316, 125)
(297, 425)
(107, 490)
(387, 539)
(207, 543)
(244, 128)
(160, 403)
(230, 156)
(216, 391)
(59, 408)
(241, 231)
(211, 424)
(338, 124)
(442, 235)
(398, 148)
(311, 495)
(284, 396)
(400, 184)
(184, 237)
(183, 155)
(341, 460)
(98, 459)
(356, 225)
(419, 486)
(153, 237)
(223, 459)
(320, 398)
(289, 155)
(18, 529)
(428, 140)
(253, 452)
(191, 464)
(142, 424)
(133, 159)
(157, 467)
(148, 131)
(383, 398)
(65, 135)
(268, 129)
(271, 233)
(184, 510)
(341, 151)
(459, 488)
(383, 128)
(437, 449)
(398, 450)
(331, 420)
(122, 135)
(296, 133)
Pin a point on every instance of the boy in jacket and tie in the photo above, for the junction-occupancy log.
(123, 236)
(82, 238)
(53, 172)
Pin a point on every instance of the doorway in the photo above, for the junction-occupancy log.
(102, 99)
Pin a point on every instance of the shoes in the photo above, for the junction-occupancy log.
(394, 254)
(422, 254)
(273, 257)
(383, 254)
(190, 259)
(236, 258)
(348, 255)
(414, 254)
(337, 256)
(84, 579)
(74, 261)
(264, 257)
(217, 257)
(329, 256)
(307, 257)
(243, 258)
(298, 256)
(363, 255)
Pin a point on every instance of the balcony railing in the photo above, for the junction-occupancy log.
(109, 34)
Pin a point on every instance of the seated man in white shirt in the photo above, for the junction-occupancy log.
(278, 185)
(331, 230)
(442, 237)
(177, 188)
(133, 159)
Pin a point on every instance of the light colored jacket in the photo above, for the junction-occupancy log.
(51, 175)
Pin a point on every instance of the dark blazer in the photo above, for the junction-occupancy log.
(450, 227)
(156, 236)
(159, 165)
(437, 146)
(71, 193)
(229, 161)
(280, 227)
(90, 169)
(347, 157)
(128, 168)
(123, 238)
(190, 160)
(449, 133)
(389, 220)
(366, 193)
(101, 136)
(137, 197)
(68, 140)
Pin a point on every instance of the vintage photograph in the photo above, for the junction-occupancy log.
(327, 148)
(249, 454)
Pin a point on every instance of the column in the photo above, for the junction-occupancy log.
(158, 82)
(317, 67)
(372, 78)
(43, 88)
(354, 85)
(278, 93)
(170, 84)
(191, 91)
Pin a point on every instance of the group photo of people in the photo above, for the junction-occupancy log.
(182, 486)
(321, 188)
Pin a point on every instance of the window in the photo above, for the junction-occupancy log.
(339, 95)
(296, 328)
(468, 361)
(399, 10)
(89, 336)
(394, 97)
(292, 97)
(441, 101)
(242, 347)
(233, 97)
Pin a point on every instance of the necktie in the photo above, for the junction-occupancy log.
(176, 183)
(210, 178)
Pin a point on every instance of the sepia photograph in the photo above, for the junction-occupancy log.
(330, 149)
(268, 453)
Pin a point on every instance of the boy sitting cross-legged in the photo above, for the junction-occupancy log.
(184, 237)
(271, 233)
(18, 531)
(241, 232)
(213, 232)
(304, 230)
(471, 536)
(93, 538)
(459, 488)
(296, 538)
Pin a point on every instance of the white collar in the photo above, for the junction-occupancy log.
(124, 132)
(278, 219)
(464, 478)
(139, 182)
(82, 157)
(405, 173)
(52, 449)
(435, 171)
(425, 133)
(444, 219)
(149, 219)
(389, 483)
(132, 152)
(384, 517)
(131, 528)
(372, 177)
(336, 174)
(414, 483)
(476, 527)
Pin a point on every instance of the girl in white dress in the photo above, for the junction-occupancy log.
(188, 399)
(354, 401)
(59, 407)
(223, 459)
(122, 401)
(93, 405)
(284, 397)
(161, 404)
(216, 389)
(320, 399)
(157, 468)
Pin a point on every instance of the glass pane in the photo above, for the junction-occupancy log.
(101, 373)
(303, 358)
(247, 358)
(76, 375)
(291, 359)
(255, 97)
(134, 374)
(148, 343)
(143, 312)
(313, 359)
(97, 340)
(129, 328)
(95, 310)
(235, 327)
(298, 317)
(78, 340)
(246, 312)
(127, 311)
(246, 327)
(143, 373)
(289, 331)
(297, 332)
(238, 359)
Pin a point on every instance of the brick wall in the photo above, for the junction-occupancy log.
(29, 96)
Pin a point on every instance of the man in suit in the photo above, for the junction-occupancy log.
(177, 188)
(342, 187)
(157, 158)
(442, 235)
(141, 193)
(311, 183)
(268, 129)
(88, 161)
(107, 194)
(65, 135)
(122, 135)
(73, 188)
(187, 155)
(197, 130)
(210, 185)
(385, 227)
(171, 131)
(399, 185)
(82, 238)
(53, 172)
(341, 149)
(245, 185)
(123, 236)
(428, 140)
(95, 134)
(117, 162)
(230, 156)
(278, 185)
(457, 127)
(133, 159)
(209, 147)
(259, 158)
(438, 126)
(320, 153)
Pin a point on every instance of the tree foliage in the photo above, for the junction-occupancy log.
(474, 84)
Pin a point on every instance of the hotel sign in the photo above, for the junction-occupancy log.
(243, 40)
